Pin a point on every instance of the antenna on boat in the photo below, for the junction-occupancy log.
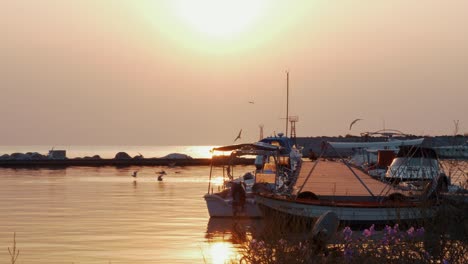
(287, 101)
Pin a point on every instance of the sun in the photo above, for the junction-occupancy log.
(219, 18)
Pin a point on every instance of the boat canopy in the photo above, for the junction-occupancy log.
(284, 142)
(253, 147)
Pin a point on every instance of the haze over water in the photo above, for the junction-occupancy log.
(108, 152)
(182, 72)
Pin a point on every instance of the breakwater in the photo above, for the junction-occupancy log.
(121, 162)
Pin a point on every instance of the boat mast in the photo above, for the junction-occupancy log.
(287, 101)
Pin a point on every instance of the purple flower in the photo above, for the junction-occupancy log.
(410, 232)
(366, 233)
(420, 231)
(369, 232)
(387, 230)
(347, 232)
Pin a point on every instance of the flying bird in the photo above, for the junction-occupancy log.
(238, 136)
(352, 123)
(251, 102)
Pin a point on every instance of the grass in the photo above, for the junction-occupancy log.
(14, 252)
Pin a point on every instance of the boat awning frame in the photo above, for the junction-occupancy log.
(248, 147)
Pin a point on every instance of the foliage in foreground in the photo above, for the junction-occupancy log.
(391, 245)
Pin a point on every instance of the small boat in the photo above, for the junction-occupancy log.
(235, 195)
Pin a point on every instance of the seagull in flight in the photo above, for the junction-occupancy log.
(238, 136)
(352, 123)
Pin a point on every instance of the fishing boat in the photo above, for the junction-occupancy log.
(353, 195)
(375, 157)
(365, 152)
(234, 195)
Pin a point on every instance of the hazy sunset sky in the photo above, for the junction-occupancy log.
(183, 72)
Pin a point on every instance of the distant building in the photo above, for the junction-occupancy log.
(57, 154)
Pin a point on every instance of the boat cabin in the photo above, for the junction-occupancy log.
(414, 163)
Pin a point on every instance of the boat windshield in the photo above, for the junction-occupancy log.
(284, 142)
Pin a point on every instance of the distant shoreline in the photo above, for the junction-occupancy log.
(117, 162)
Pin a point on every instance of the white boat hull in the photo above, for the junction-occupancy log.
(346, 213)
(219, 207)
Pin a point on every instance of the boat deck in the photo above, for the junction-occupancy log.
(333, 178)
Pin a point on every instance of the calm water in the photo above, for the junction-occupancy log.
(103, 215)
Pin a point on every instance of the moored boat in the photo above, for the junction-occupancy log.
(414, 163)
(359, 211)
(353, 195)
(234, 197)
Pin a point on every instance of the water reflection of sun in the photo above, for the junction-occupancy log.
(217, 181)
(222, 252)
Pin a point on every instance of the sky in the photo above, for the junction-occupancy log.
(182, 72)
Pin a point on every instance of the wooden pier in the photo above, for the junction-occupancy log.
(334, 178)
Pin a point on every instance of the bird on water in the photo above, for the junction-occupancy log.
(134, 174)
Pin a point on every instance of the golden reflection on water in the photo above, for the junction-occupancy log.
(102, 215)
(217, 181)
(222, 252)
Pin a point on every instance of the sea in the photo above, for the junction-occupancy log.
(104, 215)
